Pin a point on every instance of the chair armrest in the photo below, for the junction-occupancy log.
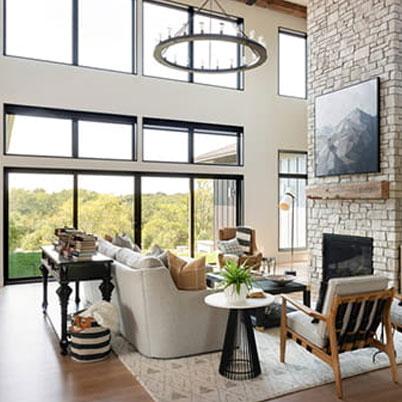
(306, 310)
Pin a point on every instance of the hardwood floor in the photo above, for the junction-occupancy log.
(31, 368)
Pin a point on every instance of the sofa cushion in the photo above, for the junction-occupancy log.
(128, 257)
(187, 275)
(396, 314)
(231, 246)
(301, 323)
(148, 261)
(123, 240)
(108, 249)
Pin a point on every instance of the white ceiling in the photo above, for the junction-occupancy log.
(302, 2)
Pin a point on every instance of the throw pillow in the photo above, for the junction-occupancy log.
(187, 275)
(128, 257)
(243, 236)
(149, 261)
(108, 249)
(231, 246)
(124, 240)
(159, 252)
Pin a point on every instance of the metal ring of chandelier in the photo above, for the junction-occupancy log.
(256, 48)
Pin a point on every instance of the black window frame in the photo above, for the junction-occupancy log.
(297, 176)
(137, 175)
(299, 34)
(75, 41)
(191, 11)
(75, 117)
(191, 128)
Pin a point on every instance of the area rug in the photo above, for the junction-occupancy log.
(196, 379)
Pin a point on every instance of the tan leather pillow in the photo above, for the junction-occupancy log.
(187, 275)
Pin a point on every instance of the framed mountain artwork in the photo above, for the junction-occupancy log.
(347, 130)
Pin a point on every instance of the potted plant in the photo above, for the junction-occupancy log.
(236, 282)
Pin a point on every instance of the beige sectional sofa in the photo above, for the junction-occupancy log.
(157, 318)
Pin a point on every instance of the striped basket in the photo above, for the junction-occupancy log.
(90, 345)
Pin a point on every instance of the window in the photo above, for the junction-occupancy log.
(185, 142)
(39, 29)
(106, 204)
(165, 213)
(105, 140)
(91, 33)
(292, 63)
(293, 178)
(165, 144)
(51, 132)
(161, 19)
(35, 135)
(215, 207)
(37, 204)
(180, 212)
(105, 34)
(210, 52)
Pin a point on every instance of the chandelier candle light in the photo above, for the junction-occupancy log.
(256, 48)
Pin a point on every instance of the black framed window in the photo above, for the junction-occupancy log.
(105, 34)
(292, 63)
(163, 18)
(293, 178)
(60, 133)
(181, 212)
(89, 33)
(187, 142)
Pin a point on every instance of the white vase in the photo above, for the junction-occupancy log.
(233, 297)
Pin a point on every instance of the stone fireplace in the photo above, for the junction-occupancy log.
(351, 41)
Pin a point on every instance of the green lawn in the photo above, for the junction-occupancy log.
(24, 265)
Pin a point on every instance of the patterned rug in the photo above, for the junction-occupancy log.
(196, 379)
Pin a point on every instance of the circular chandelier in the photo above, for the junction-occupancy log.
(256, 49)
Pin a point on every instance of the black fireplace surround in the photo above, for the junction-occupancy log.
(344, 256)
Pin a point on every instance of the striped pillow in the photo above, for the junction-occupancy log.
(243, 236)
(91, 344)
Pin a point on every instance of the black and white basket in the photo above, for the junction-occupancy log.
(90, 345)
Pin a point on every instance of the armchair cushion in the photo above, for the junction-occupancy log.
(396, 314)
(301, 323)
(231, 246)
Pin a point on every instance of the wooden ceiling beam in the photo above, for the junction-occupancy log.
(282, 6)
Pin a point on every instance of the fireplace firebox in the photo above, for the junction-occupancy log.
(344, 256)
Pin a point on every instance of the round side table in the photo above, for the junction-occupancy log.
(239, 359)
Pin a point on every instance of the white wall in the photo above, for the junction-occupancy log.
(270, 122)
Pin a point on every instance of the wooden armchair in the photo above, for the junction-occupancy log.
(353, 310)
(252, 258)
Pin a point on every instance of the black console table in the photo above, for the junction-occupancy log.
(64, 271)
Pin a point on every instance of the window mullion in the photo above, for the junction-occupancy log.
(137, 211)
(192, 219)
(191, 44)
(75, 32)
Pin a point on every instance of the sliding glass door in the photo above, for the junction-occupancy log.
(106, 204)
(181, 213)
(165, 213)
(37, 204)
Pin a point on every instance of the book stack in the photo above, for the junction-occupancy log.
(75, 244)
(84, 246)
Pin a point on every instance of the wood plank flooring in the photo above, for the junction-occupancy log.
(31, 368)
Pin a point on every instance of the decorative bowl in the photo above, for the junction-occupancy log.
(281, 280)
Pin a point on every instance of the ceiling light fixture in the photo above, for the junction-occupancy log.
(247, 45)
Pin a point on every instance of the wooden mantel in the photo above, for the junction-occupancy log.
(371, 190)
